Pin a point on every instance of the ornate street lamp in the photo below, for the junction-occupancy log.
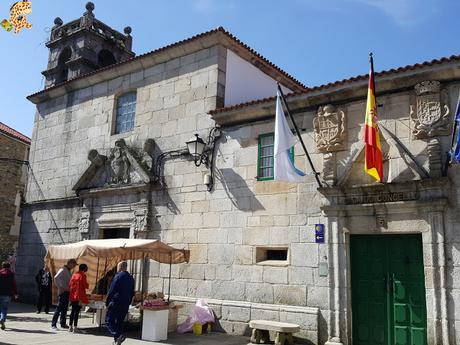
(196, 147)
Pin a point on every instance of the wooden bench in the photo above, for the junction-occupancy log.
(283, 332)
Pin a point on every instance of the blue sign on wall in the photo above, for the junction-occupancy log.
(319, 233)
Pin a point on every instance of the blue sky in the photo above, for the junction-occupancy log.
(317, 41)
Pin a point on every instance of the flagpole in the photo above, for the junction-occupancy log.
(371, 60)
(300, 137)
(454, 132)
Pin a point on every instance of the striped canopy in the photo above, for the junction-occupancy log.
(121, 248)
(102, 256)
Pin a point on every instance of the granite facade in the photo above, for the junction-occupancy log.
(223, 228)
(13, 178)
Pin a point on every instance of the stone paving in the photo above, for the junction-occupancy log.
(25, 327)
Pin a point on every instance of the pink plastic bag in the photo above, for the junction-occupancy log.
(201, 313)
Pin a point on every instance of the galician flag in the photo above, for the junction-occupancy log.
(373, 163)
(285, 169)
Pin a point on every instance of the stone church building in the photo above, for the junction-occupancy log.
(13, 179)
(350, 260)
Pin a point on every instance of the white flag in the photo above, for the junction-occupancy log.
(285, 169)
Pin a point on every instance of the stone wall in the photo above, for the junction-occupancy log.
(172, 103)
(224, 228)
(13, 177)
(43, 224)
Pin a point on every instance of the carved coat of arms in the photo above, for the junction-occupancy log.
(430, 113)
(329, 127)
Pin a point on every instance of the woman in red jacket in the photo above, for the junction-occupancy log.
(77, 286)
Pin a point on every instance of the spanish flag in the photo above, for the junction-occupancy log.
(373, 163)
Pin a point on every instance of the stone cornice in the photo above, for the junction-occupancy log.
(429, 194)
(401, 207)
(117, 190)
(45, 203)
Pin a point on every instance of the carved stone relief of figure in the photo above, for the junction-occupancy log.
(430, 112)
(118, 167)
(139, 223)
(148, 151)
(329, 127)
(83, 225)
(122, 165)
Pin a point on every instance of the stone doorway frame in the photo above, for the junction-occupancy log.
(424, 215)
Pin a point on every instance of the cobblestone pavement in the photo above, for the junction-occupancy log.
(25, 327)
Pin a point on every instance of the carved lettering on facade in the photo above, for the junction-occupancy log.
(380, 197)
(329, 127)
(430, 112)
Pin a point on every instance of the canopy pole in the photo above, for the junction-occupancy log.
(104, 292)
(143, 277)
(169, 280)
(97, 275)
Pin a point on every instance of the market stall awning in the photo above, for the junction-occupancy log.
(102, 256)
(120, 248)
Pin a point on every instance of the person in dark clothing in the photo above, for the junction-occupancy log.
(119, 298)
(61, 280)
(7, 290)
(43, 280)
(103, 285)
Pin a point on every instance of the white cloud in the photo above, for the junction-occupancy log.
(403, 12)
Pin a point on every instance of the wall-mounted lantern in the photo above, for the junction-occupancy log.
(196, 147)
(203, 153)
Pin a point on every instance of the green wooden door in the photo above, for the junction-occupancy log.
(388, 290)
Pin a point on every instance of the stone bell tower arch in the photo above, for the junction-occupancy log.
(84, 45)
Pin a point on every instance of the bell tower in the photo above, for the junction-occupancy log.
(84, 45)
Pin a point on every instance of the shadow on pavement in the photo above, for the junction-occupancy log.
(21, 308)
(27, 331)
(27, 319)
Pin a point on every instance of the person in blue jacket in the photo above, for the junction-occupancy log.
(119, 298)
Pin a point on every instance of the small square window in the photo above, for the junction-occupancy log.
(276, 256)
(125, 113)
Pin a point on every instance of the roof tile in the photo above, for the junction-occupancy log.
(14, 133)
(341, 82)
(173, 45)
